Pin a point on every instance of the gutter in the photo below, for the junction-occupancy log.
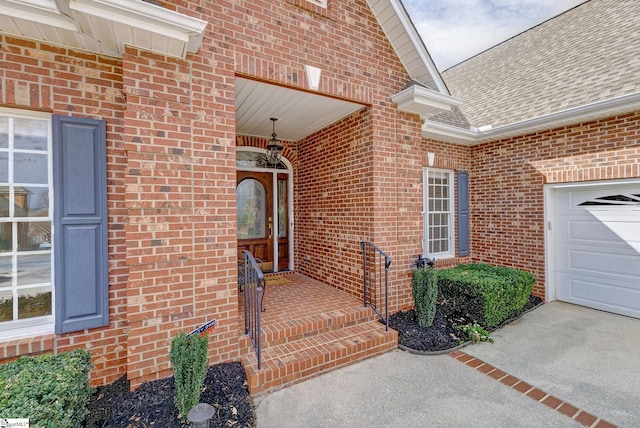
(589, 112)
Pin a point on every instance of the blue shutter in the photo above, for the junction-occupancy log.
(80, 224)
(463, 213)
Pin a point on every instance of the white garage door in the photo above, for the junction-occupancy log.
(596, 232)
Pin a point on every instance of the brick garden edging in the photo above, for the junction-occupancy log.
(585, 418)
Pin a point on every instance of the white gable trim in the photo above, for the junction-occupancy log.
(403, 36)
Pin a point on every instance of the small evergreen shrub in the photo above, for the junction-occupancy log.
(485, 293)
(425, 293)
(52, 391)
(189, 358)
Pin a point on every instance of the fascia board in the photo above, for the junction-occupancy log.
(589, 112)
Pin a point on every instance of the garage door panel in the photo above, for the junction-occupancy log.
(612, 298)
(591, 230)
(597, 247)
(613, 264)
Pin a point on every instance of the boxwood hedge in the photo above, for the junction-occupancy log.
(52, 391)
(485, 293)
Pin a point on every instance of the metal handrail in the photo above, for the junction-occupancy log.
(375, 261)
(253, 284)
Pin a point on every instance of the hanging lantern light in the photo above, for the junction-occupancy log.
(274, 148)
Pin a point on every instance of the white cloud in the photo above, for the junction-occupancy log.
(454, 30)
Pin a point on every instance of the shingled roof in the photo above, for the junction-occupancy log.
(586, 55)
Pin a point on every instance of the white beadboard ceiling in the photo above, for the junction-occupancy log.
(299, 113)
(103, 26)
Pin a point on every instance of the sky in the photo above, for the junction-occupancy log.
(455, 30)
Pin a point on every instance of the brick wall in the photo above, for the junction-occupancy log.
(333, 202)
(61, 81)
(403, 212)
(507, 178)
(180, 195)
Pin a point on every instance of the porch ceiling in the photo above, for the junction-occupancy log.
(299, 113)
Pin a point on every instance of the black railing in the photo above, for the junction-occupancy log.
(252, 282)
(376, 280)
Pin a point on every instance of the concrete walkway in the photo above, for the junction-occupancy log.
(587, 358)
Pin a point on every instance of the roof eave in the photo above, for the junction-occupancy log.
(424, 102)
(470, 137)
(108, 26)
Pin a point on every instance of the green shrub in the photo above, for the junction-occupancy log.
(425, 293)
(52, 391)
(189, 358)
(486, 293)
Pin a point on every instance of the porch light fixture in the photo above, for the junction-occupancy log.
(274, 148)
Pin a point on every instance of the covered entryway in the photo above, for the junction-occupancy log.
(594, 245)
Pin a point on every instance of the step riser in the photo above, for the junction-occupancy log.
(281, 334)
(296, 361)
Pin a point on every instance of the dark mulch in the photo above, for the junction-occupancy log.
(442, 335)
(151, 405)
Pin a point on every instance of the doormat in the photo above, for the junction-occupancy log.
(276, 280)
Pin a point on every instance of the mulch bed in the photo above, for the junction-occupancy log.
(225, 386)
(442, 336)
(151, 405)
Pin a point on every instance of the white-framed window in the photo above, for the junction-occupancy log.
(26, 223)
(438, 212)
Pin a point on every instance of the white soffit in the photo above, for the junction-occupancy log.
(406, 42)
(299, 113)
(103, 26)
(423, 101)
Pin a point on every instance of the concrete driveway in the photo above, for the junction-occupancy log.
(566, 360)
(588, 358)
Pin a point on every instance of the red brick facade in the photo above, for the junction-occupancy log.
(171, 145)
(507, 179)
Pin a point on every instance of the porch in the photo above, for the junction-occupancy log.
(309, 328)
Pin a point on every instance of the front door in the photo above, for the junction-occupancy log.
(255, 215)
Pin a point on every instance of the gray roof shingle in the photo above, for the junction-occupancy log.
(588, 54)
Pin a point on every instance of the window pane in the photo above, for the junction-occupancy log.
(32, 201)
(30, 168)
(5, 272)
(29, 134)
(6, 238)
(34, 236)
(34, 269)
(4, 167)
(4, 132)
(5, 201)
(282, 208)
(34, 302)
(251, 199)
(6, 305)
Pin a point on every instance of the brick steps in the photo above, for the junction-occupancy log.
(308, 347)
